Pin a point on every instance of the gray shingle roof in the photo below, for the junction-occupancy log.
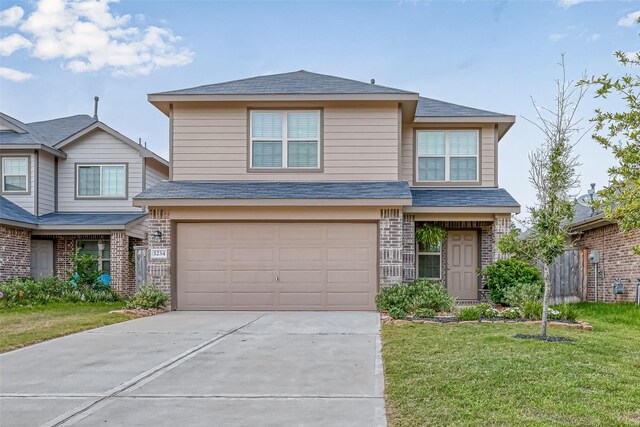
(462, 197)
(428, 107)
(9, 211)
(56, 130)
(89, 218)
(295, 83)
(276, 190)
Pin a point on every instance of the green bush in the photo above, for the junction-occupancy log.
(397, 312)
(511, 313)
(425, 313)
(26, 291)
(412, 297)
(149, 296)
(532, 310)
(567, 312)
(482, 308)
(469, 313)
(506, 273)
(521, 293)
(85, 272)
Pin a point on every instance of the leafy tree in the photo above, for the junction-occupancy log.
(554, 178)
(619, 132)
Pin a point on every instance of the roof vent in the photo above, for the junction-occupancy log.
(95, 107)
(373, 81)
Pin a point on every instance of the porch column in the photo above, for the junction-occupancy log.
(409, 248)
(65, 247)
(159, 269)
(121, 279)
(501, 226)
(390, 247)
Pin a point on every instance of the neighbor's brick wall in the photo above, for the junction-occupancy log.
(390, 246)
(408, 248)
(15, 253)
(616, 260)
(159, 271)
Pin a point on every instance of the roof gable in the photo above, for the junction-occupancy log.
(295, 83)
(57, 130)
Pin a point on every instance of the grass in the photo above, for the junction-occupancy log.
(479, 375)
(22, 326)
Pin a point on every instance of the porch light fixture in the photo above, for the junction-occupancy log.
(101, 246)
(158, 234)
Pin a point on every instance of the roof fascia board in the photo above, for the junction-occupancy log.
(46, 227)
(466, 119)
(42, 147)
(271, 202)
(410, 96)
(463, 209)
(17, 224)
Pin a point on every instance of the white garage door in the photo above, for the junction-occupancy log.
(276, 266)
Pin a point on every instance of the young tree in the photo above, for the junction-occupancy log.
(554, 178)
(620, 133)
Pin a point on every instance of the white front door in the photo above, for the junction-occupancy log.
(41, 258)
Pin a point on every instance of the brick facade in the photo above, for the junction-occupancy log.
(408, 248)
(159, 271)
(616, 260)
(122, 274)
(15, 253)
(390, 247)
(501, 226)
(65, 246)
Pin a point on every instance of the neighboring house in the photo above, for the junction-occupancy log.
(302, 191)
(592, 232)
(67, 184)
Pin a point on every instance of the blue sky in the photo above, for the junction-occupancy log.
(489, 55)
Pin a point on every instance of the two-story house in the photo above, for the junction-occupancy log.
(67, 184)
(302, 191)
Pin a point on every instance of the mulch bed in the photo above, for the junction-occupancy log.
(539, 338)
(449, 319)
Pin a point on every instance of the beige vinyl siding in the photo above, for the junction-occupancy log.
(154, 173)
(487, 151)
(95, 148)
(25, 201)
(46, 178)
(360, 142)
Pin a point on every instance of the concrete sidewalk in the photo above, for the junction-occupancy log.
(202, 368)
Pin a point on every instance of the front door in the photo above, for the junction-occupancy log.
(462, 263)
(41, 258)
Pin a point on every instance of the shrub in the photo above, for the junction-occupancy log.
(532, 311)
(511, 313)
(506, 273)
(425, 313)
(469, 313)
(26, 291)
(483, 308)
(521, 293)
(85, 272)
(567, 312)
(412, 297)
(397, 312)
(149, 296)
(491, 313)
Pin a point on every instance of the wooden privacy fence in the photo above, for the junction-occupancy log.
(566, 278)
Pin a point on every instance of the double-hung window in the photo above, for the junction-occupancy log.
(109, 181)
(285, 139)
(429, 261)
(15, 174)
(103, 256)
(444, 156)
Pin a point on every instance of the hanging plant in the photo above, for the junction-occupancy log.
(430, 235)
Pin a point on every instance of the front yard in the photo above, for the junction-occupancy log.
(22, 326)
(478, 374)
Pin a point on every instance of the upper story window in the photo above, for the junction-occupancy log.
(449, 155)
(108, 181)
(15, 174)
(285, 139)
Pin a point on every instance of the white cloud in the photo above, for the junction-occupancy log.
(556, 37)
(14, 75)
(88, 37)
(11, 43)
(629, 20)
(594, 37)
(11, 17)
(568, 3)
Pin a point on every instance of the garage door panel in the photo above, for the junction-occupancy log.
(276, 266)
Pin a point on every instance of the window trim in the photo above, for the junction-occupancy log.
(447, 164)
(20, 192)
(77, 181)
(106, 242)
(439, 254)
(285, 169)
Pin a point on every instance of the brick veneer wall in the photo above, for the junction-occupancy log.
(122, 279)
(65, 247)
(408, 248)
(501, 226)
(159, 271)
(390, 246)
(15, 253)
(616, 260)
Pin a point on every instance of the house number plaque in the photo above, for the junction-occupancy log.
(159, 253)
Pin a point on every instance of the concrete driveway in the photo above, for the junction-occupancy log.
(202, 369)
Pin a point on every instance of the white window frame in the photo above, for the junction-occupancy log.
(447, 156)
(26, 175)
(101, 165)
(99, 258)
(285, 140)
(438, 253)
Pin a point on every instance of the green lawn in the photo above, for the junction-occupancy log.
(21, 326)
(479, 375)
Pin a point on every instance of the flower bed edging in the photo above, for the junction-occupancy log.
(140, 312)
(453, 320)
